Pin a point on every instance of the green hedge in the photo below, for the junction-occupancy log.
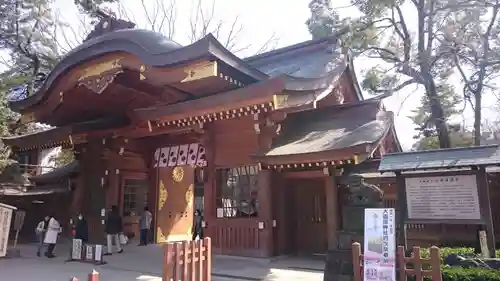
(466, 274)
(470, 274)
(462, 274)
(446, 251)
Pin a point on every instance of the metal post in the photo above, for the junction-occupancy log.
(402, 208)
(485, 206)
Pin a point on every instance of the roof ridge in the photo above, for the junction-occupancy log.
(290, 48)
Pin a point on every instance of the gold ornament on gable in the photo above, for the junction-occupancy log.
(100, 68)
(189, 196)
(160, 236)
(97, 77)
(162, 195)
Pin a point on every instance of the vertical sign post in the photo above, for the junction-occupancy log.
(380, 245)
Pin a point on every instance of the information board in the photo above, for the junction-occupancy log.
(443, 198)
(379, 259)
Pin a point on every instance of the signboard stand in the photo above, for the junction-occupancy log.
(458, 197)
(88, 253)
(5, 219)
(464, 200)
(379, 259)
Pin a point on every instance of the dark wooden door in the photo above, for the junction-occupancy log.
(310, 213)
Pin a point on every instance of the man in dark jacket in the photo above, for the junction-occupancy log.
(113, 228)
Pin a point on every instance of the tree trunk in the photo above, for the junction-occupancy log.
(477, 118)
(437, 115)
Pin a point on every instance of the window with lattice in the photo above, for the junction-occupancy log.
(236, 192)
(135, 197)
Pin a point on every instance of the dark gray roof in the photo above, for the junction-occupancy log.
(441, 158)
(332, 128)
(310, 65)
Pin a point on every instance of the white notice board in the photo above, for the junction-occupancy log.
(443, 198)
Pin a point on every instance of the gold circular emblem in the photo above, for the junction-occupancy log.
(178, 174)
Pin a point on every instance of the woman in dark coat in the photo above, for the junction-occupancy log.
(81, 229)
(198, 229)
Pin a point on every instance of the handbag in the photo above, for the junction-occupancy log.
(123, 238)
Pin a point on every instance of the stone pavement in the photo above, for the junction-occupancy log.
(145, 264)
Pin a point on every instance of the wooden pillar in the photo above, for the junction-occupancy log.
(209, 199)
(402, 209)
(265, 215)
(113, 181)
(332, 214)
(78, 199)
(485, 206)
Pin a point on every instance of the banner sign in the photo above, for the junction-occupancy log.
(5, 219)
(380, 245)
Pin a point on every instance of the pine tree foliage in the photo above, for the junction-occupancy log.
(94, 8)
(323, 18)
(472, 39)
(413, 55)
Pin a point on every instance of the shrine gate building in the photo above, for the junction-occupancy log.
(255, 143)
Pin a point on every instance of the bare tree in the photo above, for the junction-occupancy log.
(162, 16)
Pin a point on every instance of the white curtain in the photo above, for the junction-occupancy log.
(46, 160)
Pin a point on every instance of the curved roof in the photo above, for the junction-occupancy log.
(327, 129)
(150, 47)
(307, 66)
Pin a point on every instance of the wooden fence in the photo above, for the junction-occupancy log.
(188, 260)
(414, 265)
(183, 261)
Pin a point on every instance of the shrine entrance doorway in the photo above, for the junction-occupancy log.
(307, 216)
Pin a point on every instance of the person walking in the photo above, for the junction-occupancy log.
(113, 227)
(198, 228)
(82, 229)
(40, 231)
(53, 230)
(145, 225)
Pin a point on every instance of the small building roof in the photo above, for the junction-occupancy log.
(332, 130)
(57, 174)
(61, 135)
(441, 159)
(8, 206)
(32, 191)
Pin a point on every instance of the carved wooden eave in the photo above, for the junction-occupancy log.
(253, 99)
(304, 162)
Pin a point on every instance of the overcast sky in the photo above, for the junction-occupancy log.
(260, 19)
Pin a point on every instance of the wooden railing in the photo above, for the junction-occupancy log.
(419, 267)
(237, 234)
(188, 261)
(34, 169)
(183, 261)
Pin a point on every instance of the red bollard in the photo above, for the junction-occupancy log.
(94, 276)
